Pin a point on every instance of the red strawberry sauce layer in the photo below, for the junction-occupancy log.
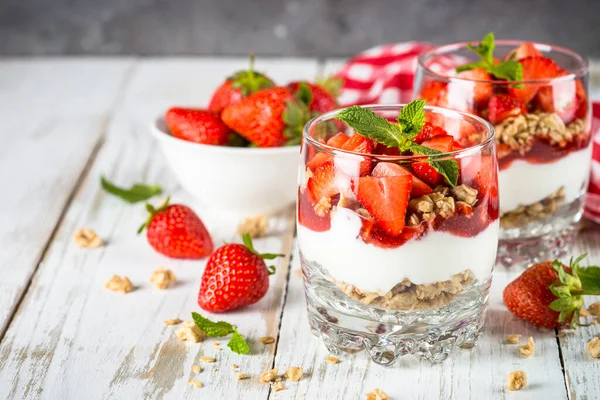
(542, 152)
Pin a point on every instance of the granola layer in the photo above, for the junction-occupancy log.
(537, 211)
(407, 296)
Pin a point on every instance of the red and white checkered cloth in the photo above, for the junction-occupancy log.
(385, 74)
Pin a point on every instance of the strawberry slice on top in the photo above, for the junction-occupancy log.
(360, 144)
(429, 130)
(419, 188)
(502, 106)
(386, 200)
(481, 90)
(534, 68)
(565, 97)
(321, 186)
(523, 51)
(424, 170)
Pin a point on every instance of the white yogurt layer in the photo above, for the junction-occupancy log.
(523, 183)
(436, 257)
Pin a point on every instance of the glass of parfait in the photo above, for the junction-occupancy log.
(397, 229)
(536, 96)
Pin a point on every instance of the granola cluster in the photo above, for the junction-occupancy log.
(408, 296)
(516, 380)
(538, 211)
(442, 201)
(518, 131)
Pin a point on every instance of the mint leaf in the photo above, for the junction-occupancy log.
(212, 329)
(590, 279)
(485, 49)
(412, 118)
(470, 66)
(136, 193)
(447, 168)
(368, 124)
(509, 70)
(238, 344)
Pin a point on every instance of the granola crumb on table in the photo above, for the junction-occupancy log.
(174, 321)
(190, 332)
(377, 394)
(279, 386)
(196, 369)
(594, 309)
(87, 238)
(516, 380)
(513, 339)
(119, 284)
(593, 347)
(195, 383)
(266, 339)
(162, 278)
(208, 359)
(294, 374)
(269, 376)
(255, 226)
(528, 349)
(332, 360)
(240, 377)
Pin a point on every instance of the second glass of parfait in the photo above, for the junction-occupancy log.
(536, 97)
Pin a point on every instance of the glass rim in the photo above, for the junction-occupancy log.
(446, 49)
(467, 151)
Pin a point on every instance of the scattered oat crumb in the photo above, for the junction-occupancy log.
(527, 349)
(278, 387)
(118, 284)
(294, 374)
(561, 334)
(195, 383)
(214, 369)
(298, 273)
(377, 394)
(267, 339)
(234, 366)
(596, 321)
(516, 380)
(215, 343)
(593, 347)
(174, 321)
(254, 226)
(239, 377)
(190, 332)
(584, 313)
(513, 339)
(207, 359)
(87, 238)
(332, 360)
(196, 369)
(162, 278)
(269, 376)
(594, 309)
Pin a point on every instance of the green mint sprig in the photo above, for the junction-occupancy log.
(236, 343)
(510, 70)
(410, 122)
(136, 193)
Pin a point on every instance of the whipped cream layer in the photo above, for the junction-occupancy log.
(435, 257)
(524, 183)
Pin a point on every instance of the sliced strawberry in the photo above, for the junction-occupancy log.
(429, 130)
(534, 68)
(360, 144)
(386, 199)
(426, 172)
(523, 51)
(321, 185)
(318, 159)
(434, 92)
(308, 217)
(502, 106)
(384, 150)
(442, 143)
(338, 140)
(481, 90)
(419, 188)
(565, 97)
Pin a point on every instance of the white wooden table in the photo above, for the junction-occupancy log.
(64, 336)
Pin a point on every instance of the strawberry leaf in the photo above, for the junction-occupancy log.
(238, 344)
(590, 279)
(136, 193)
(212, 329)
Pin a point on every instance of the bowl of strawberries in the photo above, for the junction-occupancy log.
(241, 152)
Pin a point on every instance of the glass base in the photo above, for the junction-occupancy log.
(346, 325)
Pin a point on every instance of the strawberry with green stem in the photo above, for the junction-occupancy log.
(235, 276)
(324, 94)
(550, 294)
(197, 125)
(175, 230)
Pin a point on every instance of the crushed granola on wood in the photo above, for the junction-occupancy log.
(294, 374)
(332, 360)
(513, 339)
(207, 359)
(190, 332)
(174, 321)
(87, 238)
(195, 383)
(196, 369)
(516, 380)
(377, 394)
(593, 347)
(240, 377)
(118, 284)
(162, 278)
(594, 309)
(528, 349)
(278, 387)
(269, 376)
(266, 339)
(254, 226)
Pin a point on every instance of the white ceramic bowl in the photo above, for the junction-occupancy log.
(245, 181)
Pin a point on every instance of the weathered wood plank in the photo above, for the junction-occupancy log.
(54, 113)
(71, 338)
(582, 371)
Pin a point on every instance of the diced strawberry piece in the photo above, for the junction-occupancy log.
(419, 188)
(308, 217)
(565, 97)
(384, 150)
(534, 68)
(426, 172)
(386, 199)
(481, 90)
(502, 106)
(442, 143)
(360, 144)
(433, 92)
(523, 51)
(456, 146)
(318, 159)
(338, 140)
(321, 185)
(429, 130)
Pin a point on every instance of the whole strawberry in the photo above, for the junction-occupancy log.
(550, 294)
(196, 125)
(235, 276)
(268, 118)
(323, 94)
(176, 231)
(237, 86)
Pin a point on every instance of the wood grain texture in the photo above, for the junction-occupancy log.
(54, 113)
(71, 338)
